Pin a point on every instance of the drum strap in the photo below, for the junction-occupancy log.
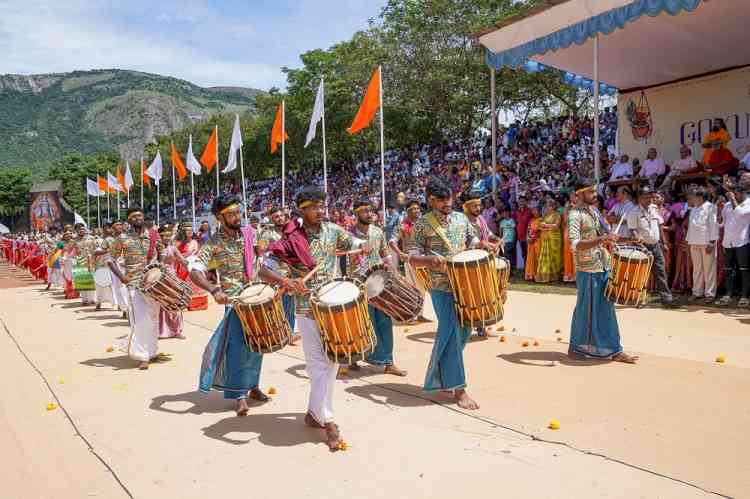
(438, 229)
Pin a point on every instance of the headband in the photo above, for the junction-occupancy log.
(232, 206)
(133, 213)
(584, 189)
(305, 204)
(363, 207)
(471, 202)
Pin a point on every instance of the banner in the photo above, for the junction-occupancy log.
(676, 114)
(45, 210)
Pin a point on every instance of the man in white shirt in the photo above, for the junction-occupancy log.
(623, 206)
(643, 222)
(735, 217)
(621, 170)
(653, 167)
(702, 234)
(679, 167)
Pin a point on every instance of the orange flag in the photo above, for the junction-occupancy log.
(103, 186)
(177, 164)
(121, 179)
(370, 105)
(145, 179)
(208, 158)
(276, 137)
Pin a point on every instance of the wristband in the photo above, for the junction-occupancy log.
(213, 291)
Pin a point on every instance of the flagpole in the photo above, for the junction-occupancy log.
(108, 216)
(192, 185)
(174, 192)
(88, 208)
(323, 129)
(157, 202)
(217, 160)
(98, 210)
(127, 192)
(141, 181)
(244, 194)
(283, 165)
(382, 145)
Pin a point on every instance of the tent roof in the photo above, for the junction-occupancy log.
(642, 42)
(49, 185)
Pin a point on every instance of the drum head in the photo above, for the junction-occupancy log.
(375, 283)
(257, 293)
(337, 293)
(501, 263)
(631, 253)
(471, 255)
(152, 275)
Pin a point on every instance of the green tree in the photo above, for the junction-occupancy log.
(15, 184)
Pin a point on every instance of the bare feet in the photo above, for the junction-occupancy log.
(626, 358)
(312, 422)
(258, 395)
(294, 340)
(98, 307)
(464, 401)
(124, 315)
(333, 437)
(143, 366)
(242, 407)
(355, 367)
(392, 369)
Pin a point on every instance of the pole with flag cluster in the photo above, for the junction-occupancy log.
(178, 165)
(195, 169)
(234, 146)
(155, 172)
(210, 156)
(103, 189)
(279, 136)
(319, 115)
(92, 189)
(128, 181)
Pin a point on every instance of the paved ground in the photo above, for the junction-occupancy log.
(669, 427)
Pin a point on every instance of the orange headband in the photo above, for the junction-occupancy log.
(305, 204)
(584, 189)
(363, 207)
(471, 202)
(228, 208)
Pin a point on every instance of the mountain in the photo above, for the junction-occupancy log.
(45, 116)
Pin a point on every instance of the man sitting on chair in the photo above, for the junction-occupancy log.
(686, 164)
(622, 170)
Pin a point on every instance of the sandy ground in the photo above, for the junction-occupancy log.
(672, 426)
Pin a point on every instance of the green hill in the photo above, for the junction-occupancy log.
(45, 116)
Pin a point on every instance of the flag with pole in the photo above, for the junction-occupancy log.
(210, 156)
(371, 103)
(279, 136)
(318, 115)
(178, 164)
(155, 171)
(114, 186)
(195, 169)
(144, 179)
(236, 146)
(92, 189)
(121, 179)
(128, 180)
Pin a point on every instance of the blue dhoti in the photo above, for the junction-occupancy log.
(446, 368)
(594, 331)
(382, 355)
(228, 364)
(287, 302)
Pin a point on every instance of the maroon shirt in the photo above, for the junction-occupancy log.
(522, 217)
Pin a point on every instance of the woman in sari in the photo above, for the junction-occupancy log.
(683, 267)
(532, 245)
(550, 265)
(170, 323)
(569, 266)
(188, 247)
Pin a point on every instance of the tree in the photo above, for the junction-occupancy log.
(15, 184)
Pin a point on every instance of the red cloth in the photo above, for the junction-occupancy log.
(523, 217)
(249, 234)
(293, 248)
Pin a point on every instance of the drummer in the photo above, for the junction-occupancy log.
(440, 234)
(170, 323)
(228, 364)
(402, 243)
(138, 250)
(102, 274)
(118, 288)
(303, 248)
(360, 264)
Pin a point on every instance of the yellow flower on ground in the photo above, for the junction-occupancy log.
(554, 425)
(272, 391)
(51, 406)
(502, 339)
(110, 349)
(721, 359)
(525, 344)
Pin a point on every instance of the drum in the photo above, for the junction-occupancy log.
(476, 290)
(392, 294)
(162, 285)
(83, 280)
(503, 276)
(340, 310)
(103, 277)
(423, 277)
(631, 266)
(261, 314)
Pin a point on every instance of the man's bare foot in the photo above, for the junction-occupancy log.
(333, 437)
(312, 422)
(124, 315)
(98, 307)
(294, 340)
(242, 407)
(355, 367)
(258, 395)
(143, 366)
(392, 369)
(626, 358)
(464, 401)
(48, 286)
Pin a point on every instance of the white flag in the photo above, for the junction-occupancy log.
(155, 168)
(128, 176)
(234, 146)
(317, 114)
(78, 219)
(192, 163)
(92, 188)
(113, 183)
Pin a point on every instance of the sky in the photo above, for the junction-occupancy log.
(207, 42)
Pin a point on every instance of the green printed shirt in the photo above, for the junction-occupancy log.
(226, 254)
(375, 238)
(585, 225)
(133, 248)
(85, 247)
(458, 230)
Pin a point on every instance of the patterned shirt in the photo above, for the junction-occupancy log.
(267, 236)
(405, 234)
(459, 232)
(375, 238)
(226, 254)
(85, 247)
(101, 259)
(133, 248)
(584, 224)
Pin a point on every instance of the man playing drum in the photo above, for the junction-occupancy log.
(359, 265)
(594, 332)
(137, 250)
(118, 288)
(85, 244)
(102, 274)
(312, 246)
(440, 234)
(228, 364)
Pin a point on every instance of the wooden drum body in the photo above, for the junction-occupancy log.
(392, 294)
(340, 310)
(503, 276)
(423, 277)
(261, 314)
(476, 288)
(161, 284)
(631, 267)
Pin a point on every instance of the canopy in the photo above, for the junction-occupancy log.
(644, 42)
(4, 229)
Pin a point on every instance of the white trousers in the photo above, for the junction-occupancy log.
(704, 271)
(120, 293)
(143, 341)
(320, 369)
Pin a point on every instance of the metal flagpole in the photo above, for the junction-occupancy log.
(382, 146)
(323, 129)
(108, 218)
(192, 188)
(98, 209)
(174, 192)
(597, 159)
(244, 194)
(158, 202)
(141, 181)
(88, 209)
(127, 192)
(217, 161)
(493, 114)
(283, 165)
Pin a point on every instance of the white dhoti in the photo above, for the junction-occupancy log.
(103, 282)
(55, 277)
(320, 369)
(120, 293)
(143, 341)
(88, 296)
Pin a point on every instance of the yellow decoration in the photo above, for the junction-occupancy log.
(62, 381)
(343, 445)
(721, 359)
(110, 349)
(502, 339)
(51, 406)
(272, 391)
(525, 344)
(554, 425)
(406, 329)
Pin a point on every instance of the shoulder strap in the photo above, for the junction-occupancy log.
(438, 229)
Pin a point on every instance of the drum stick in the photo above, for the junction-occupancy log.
(348, 253)
(312, 273)
(617, 229)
